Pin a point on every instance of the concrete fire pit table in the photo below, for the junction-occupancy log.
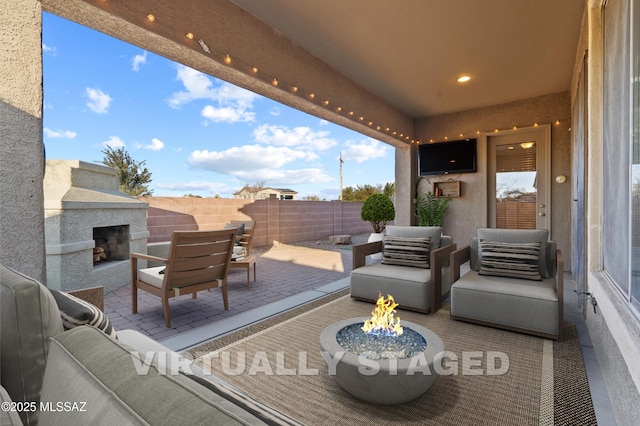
(381, 381)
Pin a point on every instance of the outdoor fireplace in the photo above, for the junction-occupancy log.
(111, 244)
(379, 361)
(90, 226)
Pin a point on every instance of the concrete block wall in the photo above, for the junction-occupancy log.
(278, 221)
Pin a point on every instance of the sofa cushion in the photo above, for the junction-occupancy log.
(515, 260)
(406, 251)
(29, 317)
(516, 236)
(76, 312)
(121, 387)
(432, 232)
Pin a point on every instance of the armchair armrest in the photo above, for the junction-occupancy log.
(457, 258)
(93, 295)
(438, 259)
(361, 251)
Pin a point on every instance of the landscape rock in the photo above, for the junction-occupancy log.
(340, 239)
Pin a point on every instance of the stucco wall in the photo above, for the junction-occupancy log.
(21, 148)
(468, 212)
(276, 221)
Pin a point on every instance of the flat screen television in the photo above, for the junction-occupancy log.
(442, 158)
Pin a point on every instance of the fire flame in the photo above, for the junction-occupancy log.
(382, 318)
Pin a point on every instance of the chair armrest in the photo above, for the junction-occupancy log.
(438, 259)
(361, 251)
(457, 258)
(560, 289)
(143, 256)
(93, 295)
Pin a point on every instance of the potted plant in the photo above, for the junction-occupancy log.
(431, 209)
(378, 210)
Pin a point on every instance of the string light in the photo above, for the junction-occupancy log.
(227, 59)
(514, 128)
(151, 18)
(189, 36)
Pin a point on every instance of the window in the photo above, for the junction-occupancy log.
(635, 162)
(621, 149)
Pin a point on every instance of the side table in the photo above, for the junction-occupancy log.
(246, 263)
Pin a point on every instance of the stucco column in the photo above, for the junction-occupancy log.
(21, 148)
(406, 171)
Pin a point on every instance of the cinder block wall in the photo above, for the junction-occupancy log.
(283, 221)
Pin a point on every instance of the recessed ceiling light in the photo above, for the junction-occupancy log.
(464, 78)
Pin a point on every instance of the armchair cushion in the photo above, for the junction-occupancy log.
(515, 260)
(516, 236)
(406, 251)
(432, 232)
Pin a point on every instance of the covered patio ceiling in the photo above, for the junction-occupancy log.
(374, 66)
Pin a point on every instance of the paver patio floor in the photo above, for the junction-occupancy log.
(283, 270)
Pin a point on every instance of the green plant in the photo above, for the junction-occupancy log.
(378, 209)
(430, 209)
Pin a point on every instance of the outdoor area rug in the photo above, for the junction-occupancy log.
(279, 362)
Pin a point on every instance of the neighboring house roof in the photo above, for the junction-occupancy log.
(256, 190)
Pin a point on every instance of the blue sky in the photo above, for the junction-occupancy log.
(198, 134)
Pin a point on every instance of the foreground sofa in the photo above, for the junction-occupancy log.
(515, 281)
(83, 376)
(416, 283)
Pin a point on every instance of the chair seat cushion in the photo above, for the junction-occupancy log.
(152, 276)
(410, 287)
(526, 304)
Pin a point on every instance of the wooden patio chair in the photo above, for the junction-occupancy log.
(246, 241)
(198, 260)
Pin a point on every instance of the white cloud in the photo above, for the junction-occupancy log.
(368, 149)
(285, 177)
(138, 60)
(155, 145)
(227, 114)
(113, 142)
(299, 137)
(251, 163)
(50, 50)
(59, 134)
(246, 158)
(199, 86)
(324, 122)
(98, 100)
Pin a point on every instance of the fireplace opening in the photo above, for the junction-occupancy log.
(111, 244)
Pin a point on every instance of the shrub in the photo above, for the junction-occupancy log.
(378, 209)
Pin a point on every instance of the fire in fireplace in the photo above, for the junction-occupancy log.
(111, 244)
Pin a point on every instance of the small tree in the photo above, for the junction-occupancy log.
(430, 209)
(133, 176)
(378, 209)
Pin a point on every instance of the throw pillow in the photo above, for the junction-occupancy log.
(76, 312)
(406, 251)
(515, 260)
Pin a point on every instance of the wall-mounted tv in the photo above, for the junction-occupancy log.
(442, 158)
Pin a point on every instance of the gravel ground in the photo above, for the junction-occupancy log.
(324, 244)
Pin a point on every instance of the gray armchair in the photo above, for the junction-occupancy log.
(416, 283)
(515, 281)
